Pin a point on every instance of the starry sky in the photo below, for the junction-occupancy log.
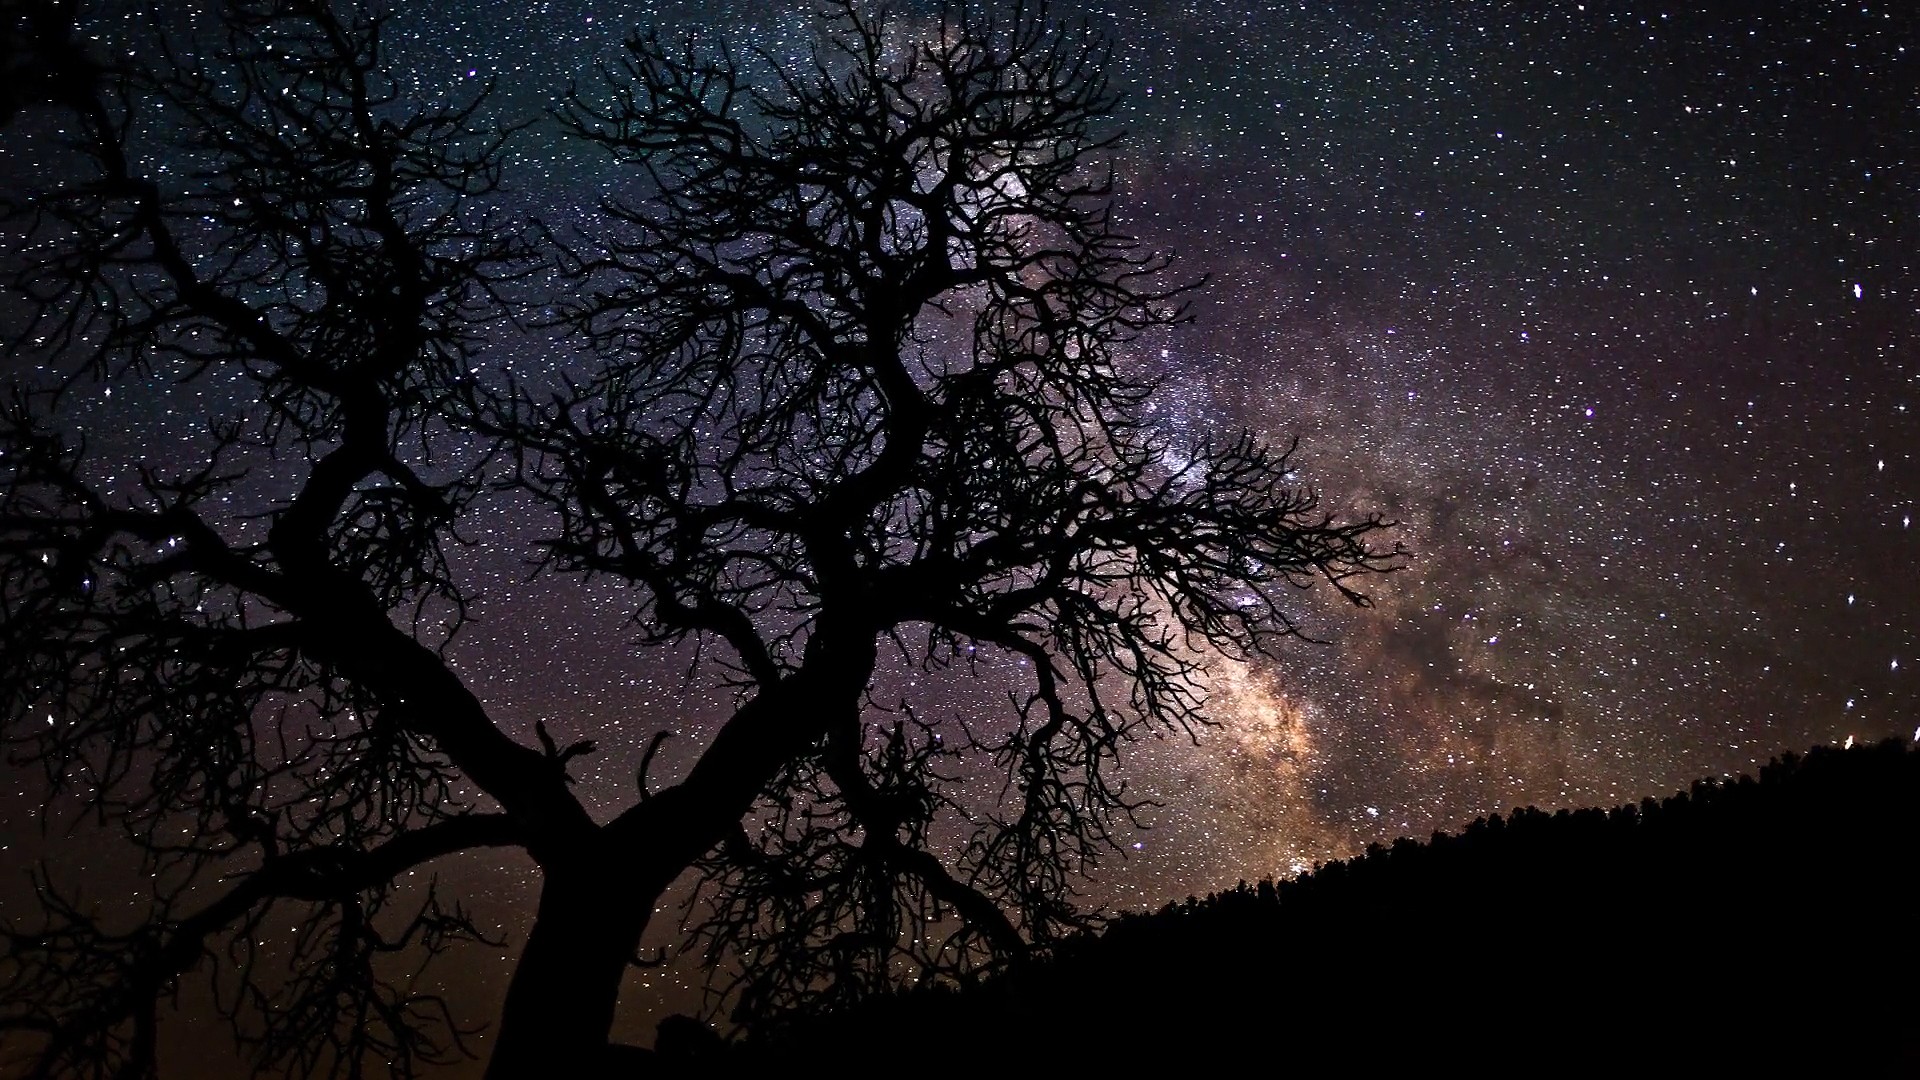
(1613, 306)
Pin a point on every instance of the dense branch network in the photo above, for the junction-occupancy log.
(865, 374)
(200, 648)
(860, 396)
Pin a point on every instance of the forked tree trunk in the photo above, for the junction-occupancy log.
(560, 1002)
(594, 905)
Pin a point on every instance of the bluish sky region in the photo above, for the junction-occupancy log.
(1613, 306)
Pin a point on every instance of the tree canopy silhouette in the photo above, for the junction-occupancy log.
(858, 395)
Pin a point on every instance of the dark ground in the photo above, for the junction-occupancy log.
(1763, 924)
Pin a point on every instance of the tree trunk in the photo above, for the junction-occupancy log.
(560, 1003)
(597, 897)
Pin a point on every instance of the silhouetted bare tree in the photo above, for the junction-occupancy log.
(859, 399)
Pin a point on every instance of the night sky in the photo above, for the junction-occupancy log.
(1613, 306)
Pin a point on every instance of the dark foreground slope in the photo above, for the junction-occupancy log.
(1766, 924)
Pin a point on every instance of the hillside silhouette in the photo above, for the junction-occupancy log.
(1760, 923)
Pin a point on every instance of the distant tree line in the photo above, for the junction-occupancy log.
(1755, 923)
